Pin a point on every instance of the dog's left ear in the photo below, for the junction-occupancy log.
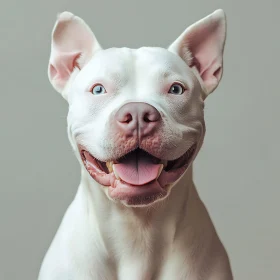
(201, 46)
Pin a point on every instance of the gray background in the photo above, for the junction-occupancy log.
(237, 171)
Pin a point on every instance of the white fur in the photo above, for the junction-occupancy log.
(103, 239)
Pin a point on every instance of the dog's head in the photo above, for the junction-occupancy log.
(136, 115)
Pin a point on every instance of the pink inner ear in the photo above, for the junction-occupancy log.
(63, 65)
(204, 44)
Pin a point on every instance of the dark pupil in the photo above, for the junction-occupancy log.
(99, 89)
(176, 89)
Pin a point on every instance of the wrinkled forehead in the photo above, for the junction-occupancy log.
(121, 64)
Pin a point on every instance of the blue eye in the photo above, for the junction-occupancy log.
(98, 89)
(177, 89)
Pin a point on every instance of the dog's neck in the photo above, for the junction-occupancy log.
(140, 240)
(165, 216)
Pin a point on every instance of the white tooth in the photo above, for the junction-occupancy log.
(89, 164)
(115, 172)
(164, 162)
(109, 166)
(160, 169)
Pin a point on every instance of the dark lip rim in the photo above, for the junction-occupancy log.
(102, 167)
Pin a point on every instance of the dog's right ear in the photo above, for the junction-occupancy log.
(73, 44)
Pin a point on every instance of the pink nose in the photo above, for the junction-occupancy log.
(137, 118)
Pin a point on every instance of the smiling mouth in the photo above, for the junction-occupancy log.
(137, 178)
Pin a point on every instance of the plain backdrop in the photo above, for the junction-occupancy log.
(236, 173)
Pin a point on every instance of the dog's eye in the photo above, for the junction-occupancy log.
(98, 89)
(176, 88)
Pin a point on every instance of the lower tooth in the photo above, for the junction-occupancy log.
(159, 171)
(109, 166)
(116, 173)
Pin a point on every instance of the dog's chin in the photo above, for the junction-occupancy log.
(138, 178)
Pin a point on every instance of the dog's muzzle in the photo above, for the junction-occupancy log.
(137, 176)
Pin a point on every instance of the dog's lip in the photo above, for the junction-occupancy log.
(103, 172)
(138, 195)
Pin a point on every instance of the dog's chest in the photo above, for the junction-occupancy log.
(153, 270)
(137, 269)
(149, 264)
(146, 253)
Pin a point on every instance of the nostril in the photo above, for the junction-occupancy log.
(151, 117)
(127, 118)
(146, 118)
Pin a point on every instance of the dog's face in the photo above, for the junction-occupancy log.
(136, 116)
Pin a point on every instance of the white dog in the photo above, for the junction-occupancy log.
(136, 124)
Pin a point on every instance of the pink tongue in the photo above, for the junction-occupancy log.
(137, 168)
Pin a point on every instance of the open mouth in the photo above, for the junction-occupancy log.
(138, 177)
